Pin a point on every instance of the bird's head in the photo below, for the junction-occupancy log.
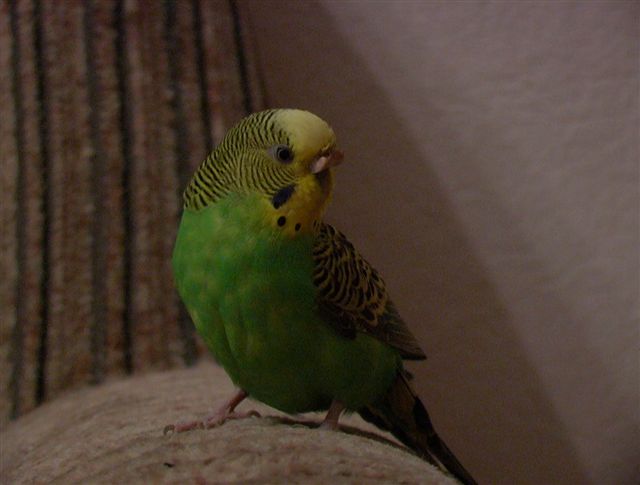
(285, 156)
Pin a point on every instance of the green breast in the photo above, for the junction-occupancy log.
(249, 291)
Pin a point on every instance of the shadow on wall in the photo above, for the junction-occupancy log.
(484, 394)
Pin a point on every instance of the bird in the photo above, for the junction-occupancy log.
(286, 304)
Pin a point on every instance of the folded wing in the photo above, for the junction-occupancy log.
(352, 296)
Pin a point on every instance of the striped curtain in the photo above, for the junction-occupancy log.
(106, 108)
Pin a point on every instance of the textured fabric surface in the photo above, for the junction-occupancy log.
(106, 109)
(113, 434)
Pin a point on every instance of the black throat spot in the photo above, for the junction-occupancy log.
(282, 196)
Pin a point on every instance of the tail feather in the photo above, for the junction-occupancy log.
(402, 413)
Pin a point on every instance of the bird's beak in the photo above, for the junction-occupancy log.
(324, 162)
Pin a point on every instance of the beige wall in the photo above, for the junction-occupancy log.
(492, 175)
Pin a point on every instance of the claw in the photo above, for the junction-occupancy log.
(182, 427)
(217, 419)
(225, 413)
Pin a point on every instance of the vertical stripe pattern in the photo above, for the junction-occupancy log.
(106, 109)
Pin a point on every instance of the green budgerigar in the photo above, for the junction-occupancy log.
(295, 315)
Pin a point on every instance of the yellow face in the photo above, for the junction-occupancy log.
(285, 156)
(307, 154)
(308, 137)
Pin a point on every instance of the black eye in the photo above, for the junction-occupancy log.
(282, 153)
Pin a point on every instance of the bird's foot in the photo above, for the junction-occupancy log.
(217, 419)
(223, 414)
(211, 421)
(183, 426)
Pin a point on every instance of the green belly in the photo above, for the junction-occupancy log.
(250, 294)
